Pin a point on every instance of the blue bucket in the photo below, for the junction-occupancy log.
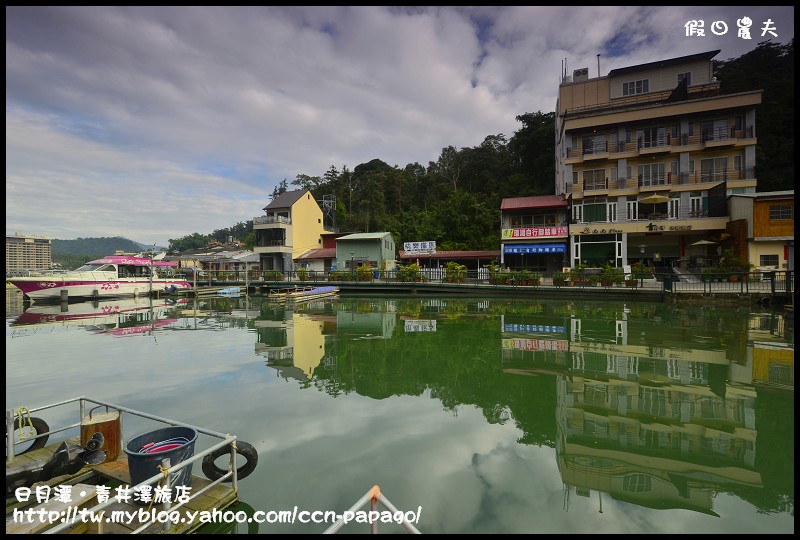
(146, 452)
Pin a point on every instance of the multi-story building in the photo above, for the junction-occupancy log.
(534, 233)
(28, 252)
(292, 225)
(647, 156)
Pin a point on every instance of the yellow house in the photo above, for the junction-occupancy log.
(292, 224)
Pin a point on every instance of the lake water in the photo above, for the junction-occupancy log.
(492, 415)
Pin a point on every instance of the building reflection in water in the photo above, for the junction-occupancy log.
(646, 423)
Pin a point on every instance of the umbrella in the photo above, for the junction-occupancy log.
(703, 243)
(654, 199)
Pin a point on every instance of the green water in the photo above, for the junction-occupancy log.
(491, 415)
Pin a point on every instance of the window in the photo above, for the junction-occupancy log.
(737, 167)
(594, 179)
(637, 483)
(780, 212)
(714, 170)
(633, 208)
(594, 210)
(687, 76)
(636, 87)
(651, 174)
(574, 178)
(768, 260)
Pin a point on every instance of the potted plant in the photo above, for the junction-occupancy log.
(610, 275)
(409, 272)
(536, 279)
(454, 272)
(302, 273)
(273, 275)
(578, 275)
(733, 267)
(364, 272)
(560, 278)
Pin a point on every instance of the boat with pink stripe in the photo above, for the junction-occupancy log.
(114, 276)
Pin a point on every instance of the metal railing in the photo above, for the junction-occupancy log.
(168, 469)
(374, 496)
(529, 277)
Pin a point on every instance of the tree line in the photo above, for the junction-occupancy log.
(455, 200)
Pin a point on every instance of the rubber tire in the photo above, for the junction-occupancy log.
(40, 426)
(213, 472)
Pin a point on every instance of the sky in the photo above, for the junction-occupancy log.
(153, 123)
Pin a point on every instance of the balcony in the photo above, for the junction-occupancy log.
(647, 146)
(718, 137)
(271, 220)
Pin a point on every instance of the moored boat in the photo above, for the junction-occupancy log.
(113, 276)
(303, 293)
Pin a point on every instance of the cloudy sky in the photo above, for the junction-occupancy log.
(156, 122)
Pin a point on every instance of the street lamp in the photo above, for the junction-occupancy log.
(641, 265)
(352, 263)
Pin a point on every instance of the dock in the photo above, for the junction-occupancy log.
(176, 516)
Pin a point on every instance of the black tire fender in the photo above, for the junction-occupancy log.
(243, 449)
(39, 426)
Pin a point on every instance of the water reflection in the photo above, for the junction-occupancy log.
(658, 407)
(119, 317)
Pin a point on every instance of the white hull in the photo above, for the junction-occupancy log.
(50, 288)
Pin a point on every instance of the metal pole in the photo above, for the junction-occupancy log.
(9, 436)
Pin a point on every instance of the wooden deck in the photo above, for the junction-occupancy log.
(113, 473)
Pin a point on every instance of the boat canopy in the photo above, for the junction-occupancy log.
(138, 261)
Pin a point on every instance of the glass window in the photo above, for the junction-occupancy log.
(780, 212)
(768, 260)
(687, 76)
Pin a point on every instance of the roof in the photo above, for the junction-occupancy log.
(246, 256)
(542, 201)
(287, 199)
(323, 253)
(766, 195)
(450, 255)
(708, 55)
(365, 236)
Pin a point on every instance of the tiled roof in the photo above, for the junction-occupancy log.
(323, 253)
(364, 236)
(708, 55)
(542, 201)
(450, 255)
(287, 199)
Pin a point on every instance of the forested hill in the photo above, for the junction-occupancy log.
(70, 254)
(95, 246)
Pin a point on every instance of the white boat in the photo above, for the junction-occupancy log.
(114, 276)
(118, 317)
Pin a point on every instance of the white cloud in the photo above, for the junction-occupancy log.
(156, 122)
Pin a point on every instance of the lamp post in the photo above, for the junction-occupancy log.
(352, 263)
(641, 265)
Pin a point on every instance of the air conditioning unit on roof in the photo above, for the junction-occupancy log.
(581, 74)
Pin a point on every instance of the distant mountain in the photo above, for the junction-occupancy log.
(98, 246)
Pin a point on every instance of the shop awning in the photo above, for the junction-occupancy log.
(535, 248)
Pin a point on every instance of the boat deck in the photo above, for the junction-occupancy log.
(112, 473)
(71, 501)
